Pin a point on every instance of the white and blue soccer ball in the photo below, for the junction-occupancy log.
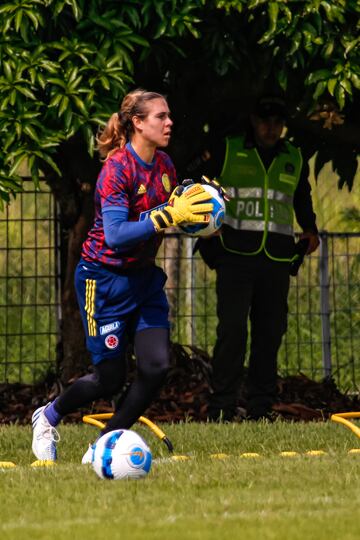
(217, 216)
(121, 454)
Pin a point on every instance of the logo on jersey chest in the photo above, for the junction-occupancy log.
(141, 190)
(166, 182)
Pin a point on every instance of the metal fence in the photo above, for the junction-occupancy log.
(323, 336)
(29, 292)
(324, 301)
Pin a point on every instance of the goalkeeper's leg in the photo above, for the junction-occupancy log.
(152, 357)
(108, 379)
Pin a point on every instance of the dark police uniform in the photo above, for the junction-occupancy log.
(252, 259)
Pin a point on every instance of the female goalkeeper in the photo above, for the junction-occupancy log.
(120, 290)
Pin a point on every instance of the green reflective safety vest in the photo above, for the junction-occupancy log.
(261, 201)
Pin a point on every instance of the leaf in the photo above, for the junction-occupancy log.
(16, 164)
(282, 79)
(338, 69)
(331, 86)
(355, 79)
(31, 133)
(133, 15)
(68, 118)
(320, 89)
(75, 8)
(42, 80)
(139, 40)
(339, 94)
(273, 11)
(54, 102)
(89, 138)
(308, 30)
(7, 71)
(18, 19)
(71, 76)
(24, 31)
(346, 84)
(34, 171)
(57, 81)
(319, 75)
(351, 45)
(51, 67)
(328, 49)
(26, 92)
(160, 29)
(36, 19)
(49, 160)
(80, 105)
(9, 141)
(63, 106)
(295, 43)
(105, 83)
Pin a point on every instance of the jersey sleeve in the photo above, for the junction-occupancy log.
(113, 185)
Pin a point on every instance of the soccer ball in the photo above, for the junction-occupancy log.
(216, 216)
(121, 454)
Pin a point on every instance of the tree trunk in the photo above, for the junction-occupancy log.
(75, 357)
(74, 195)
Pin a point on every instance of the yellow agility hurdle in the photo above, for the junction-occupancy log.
(342, 418)
(95, 420)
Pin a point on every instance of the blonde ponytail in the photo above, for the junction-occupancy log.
(120, 127)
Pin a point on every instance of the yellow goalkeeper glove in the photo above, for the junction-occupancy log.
(215, 184)
(184, 206)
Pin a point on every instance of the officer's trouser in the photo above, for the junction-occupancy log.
(256, 287)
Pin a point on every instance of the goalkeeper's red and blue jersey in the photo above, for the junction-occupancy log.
(127, 182)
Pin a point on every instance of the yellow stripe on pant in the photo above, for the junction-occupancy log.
(90, 305)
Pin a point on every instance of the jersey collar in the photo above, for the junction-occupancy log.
(138, 158)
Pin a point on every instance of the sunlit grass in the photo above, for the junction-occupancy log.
(204, 497)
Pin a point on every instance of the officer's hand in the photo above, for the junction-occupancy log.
(190, 206)
(313, 239)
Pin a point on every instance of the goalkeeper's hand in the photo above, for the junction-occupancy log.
(215, 184)
(206, 181)
(184, 206)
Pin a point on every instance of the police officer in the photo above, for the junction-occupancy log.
(267, 181)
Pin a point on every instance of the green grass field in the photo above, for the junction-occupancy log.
(204, 497)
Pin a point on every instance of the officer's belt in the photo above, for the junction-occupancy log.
(255, 225)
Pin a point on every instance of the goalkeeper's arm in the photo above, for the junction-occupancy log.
(185, 206)
(122, 234)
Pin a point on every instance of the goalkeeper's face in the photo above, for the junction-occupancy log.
(155, 127)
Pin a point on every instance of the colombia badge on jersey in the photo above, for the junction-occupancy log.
(166, 182)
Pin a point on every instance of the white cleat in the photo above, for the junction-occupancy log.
(87, 458)
(45, 436)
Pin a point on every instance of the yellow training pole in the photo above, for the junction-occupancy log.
(342, 418)
(95, 420)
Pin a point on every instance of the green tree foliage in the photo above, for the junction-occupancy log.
(317, 41)
(310, 50)
(65, 64)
